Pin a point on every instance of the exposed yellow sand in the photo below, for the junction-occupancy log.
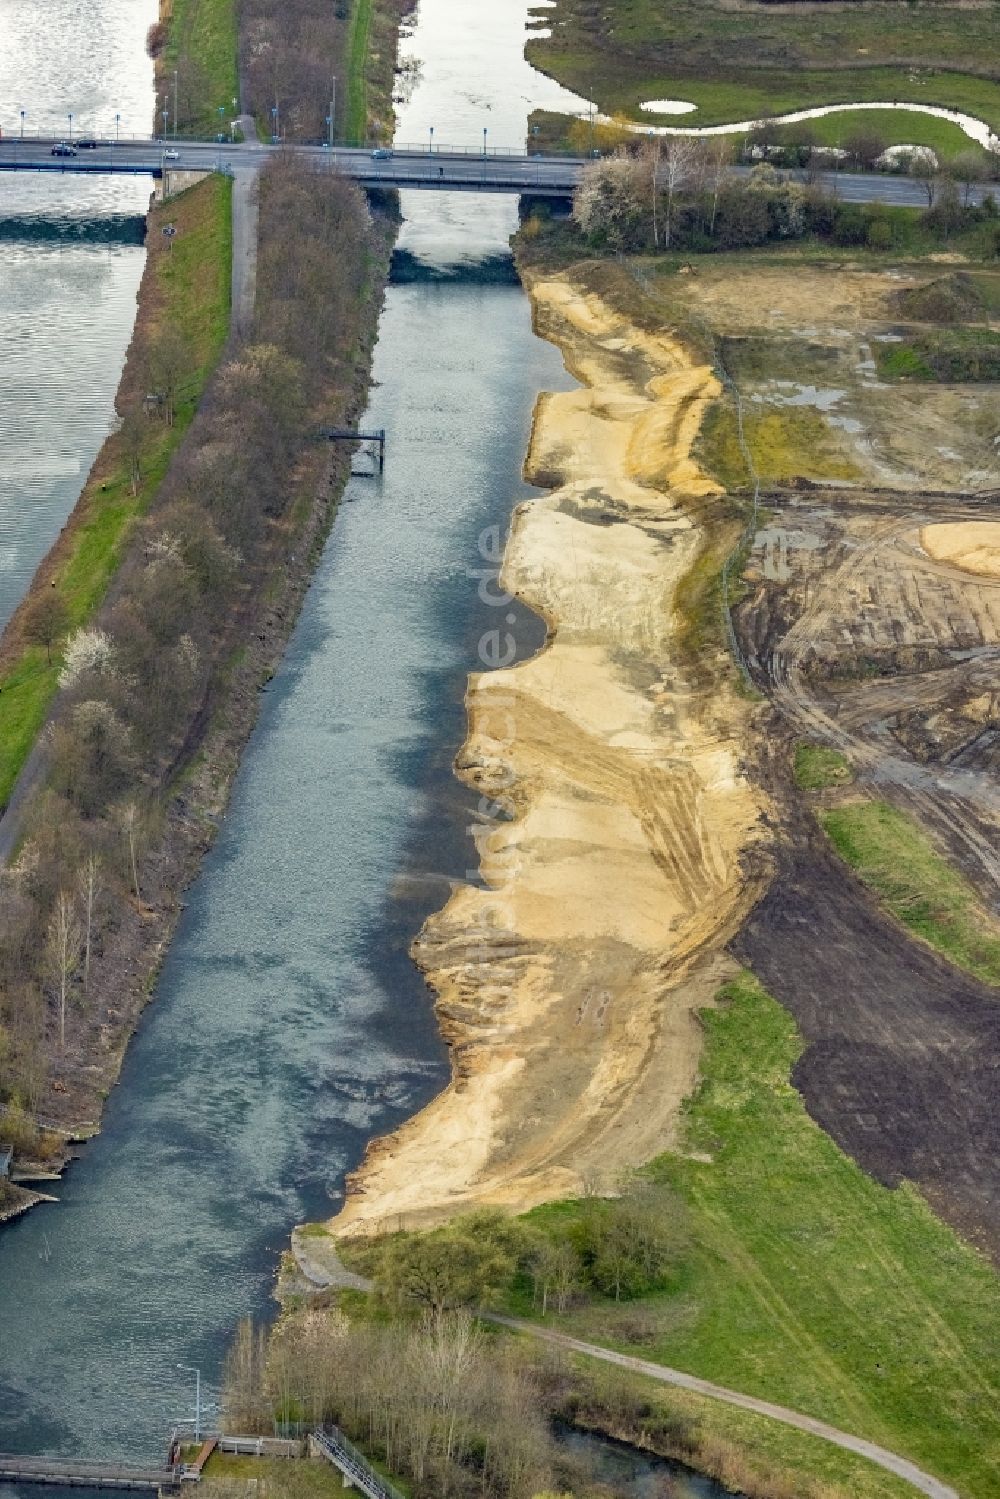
(974, 545)
(568, 987)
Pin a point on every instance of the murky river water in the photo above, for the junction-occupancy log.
(289, 1025)
(66, 305)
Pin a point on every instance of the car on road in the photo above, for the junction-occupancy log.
(63, 149)
(381, 153)
(86, 143)
(171, 155)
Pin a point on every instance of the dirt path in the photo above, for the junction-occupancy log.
(900, 1466)
(244, 250)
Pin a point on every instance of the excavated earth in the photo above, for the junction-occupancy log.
(872, 623)
(617, 827)
(640, 825)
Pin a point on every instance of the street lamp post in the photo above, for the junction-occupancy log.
(118, 127)
(166, 114)
(432, 140)
(70, 118)
(274, 123)
(485, 128)
(190, 1369)
(333, 109)
(175, 104)
(23, 113)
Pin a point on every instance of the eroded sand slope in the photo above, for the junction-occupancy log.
(616, 818)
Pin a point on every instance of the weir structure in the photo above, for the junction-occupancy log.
(326, 1442)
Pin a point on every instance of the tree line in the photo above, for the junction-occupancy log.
(138, 687)
(681, 194)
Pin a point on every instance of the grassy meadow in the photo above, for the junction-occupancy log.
(897, 860)
(805, 1281)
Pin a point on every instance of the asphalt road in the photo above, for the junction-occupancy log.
(444, 169)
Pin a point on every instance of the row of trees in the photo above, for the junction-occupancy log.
(139, 685)
(619, 1247)
(680, 194)
(436, 1400)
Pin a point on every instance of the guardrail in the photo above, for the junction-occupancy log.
(339, 1450)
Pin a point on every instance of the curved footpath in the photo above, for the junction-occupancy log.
(901, 1466)
(323, 1269)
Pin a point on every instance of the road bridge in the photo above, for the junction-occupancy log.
(445, 169)
(441, 170)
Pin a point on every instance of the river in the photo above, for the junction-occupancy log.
(67, 299)
(288, 1024)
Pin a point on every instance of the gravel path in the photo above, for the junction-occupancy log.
(901, 1466)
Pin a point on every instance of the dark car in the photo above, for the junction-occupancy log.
(87, 144)
(382, 153)
(63, 149)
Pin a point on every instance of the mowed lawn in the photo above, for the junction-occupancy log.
(804, 1280)
(191, 293)
(202, 46)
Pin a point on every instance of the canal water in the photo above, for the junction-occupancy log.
(289, 1025)
(67, 294)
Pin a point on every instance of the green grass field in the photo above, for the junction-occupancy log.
(201, 44)
(356, 111)
(753, 62)
(897, 860)
(806, 1282)
(194, 282)
(817, 767)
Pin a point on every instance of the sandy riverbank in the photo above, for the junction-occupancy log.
(616, 818)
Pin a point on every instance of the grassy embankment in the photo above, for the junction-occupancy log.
(699, 53)
(187, 288)
(370, 58)
(201, 45)
(898, 861)
(818, 768)
(805, 1281)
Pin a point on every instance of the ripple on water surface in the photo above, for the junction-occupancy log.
(289, 1024)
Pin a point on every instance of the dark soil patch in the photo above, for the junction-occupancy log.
(902, 1062)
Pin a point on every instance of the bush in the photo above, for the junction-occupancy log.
(879, 235)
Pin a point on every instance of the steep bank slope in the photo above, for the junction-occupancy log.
(616, 822)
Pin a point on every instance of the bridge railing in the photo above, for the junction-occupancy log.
(340, 1451)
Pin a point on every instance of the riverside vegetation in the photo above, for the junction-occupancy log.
(756, 1251)
(156, 688)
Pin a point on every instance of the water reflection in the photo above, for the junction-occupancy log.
(289, 1024)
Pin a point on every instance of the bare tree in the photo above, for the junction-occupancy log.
(129, 822)
(63, 951)
(718, 159)
(89, 880)
(968, 168)
(924, 170)
(170, 361)
(45, 621)
(679, 158)
(132, 430)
